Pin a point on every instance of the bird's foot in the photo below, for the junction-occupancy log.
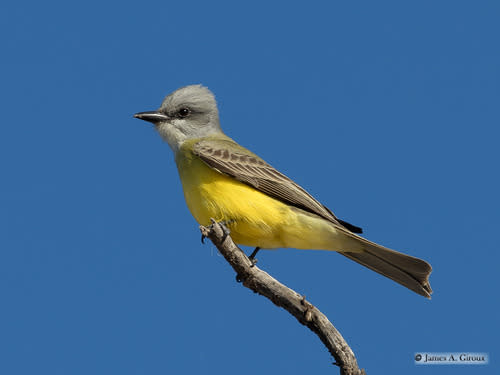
(253, 260)
(252, 256)
(225, 230)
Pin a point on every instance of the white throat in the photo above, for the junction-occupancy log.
(175, 136)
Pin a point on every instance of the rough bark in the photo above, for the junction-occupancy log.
(262, 283)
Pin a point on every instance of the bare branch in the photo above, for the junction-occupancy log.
(262, 283)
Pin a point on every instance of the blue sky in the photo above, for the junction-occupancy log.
(386, 111)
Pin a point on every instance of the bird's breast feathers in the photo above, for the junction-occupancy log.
(254, 218)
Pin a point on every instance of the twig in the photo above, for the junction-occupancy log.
(262, 283)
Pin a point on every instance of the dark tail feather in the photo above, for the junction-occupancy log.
(352, 228)
(406, 270)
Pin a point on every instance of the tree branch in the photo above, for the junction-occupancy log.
(262, 283)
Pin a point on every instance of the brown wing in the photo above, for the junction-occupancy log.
(229, 158)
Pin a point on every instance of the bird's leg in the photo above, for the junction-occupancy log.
(252, 256)
(225, 229)
(252, 259)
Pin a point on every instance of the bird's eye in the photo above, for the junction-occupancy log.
(184, 112)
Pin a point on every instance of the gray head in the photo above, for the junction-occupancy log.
(187, 113)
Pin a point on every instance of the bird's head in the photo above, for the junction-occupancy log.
(187, 113)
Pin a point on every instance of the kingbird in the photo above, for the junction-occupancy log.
(261, 207)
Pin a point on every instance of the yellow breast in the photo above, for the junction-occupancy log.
(254, 218)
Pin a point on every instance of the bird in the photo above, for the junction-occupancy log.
(260, 206)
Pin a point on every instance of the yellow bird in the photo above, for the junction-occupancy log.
(261, 206)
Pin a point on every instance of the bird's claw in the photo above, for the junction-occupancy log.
(252, 256)
(225, 230)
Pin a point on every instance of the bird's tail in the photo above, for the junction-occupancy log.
(406, 270)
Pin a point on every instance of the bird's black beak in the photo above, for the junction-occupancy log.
(152, 116)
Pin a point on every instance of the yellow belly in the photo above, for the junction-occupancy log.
(254, 218)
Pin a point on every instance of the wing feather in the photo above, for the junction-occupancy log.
(227, 157)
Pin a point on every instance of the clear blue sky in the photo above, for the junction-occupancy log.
(388, 112)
